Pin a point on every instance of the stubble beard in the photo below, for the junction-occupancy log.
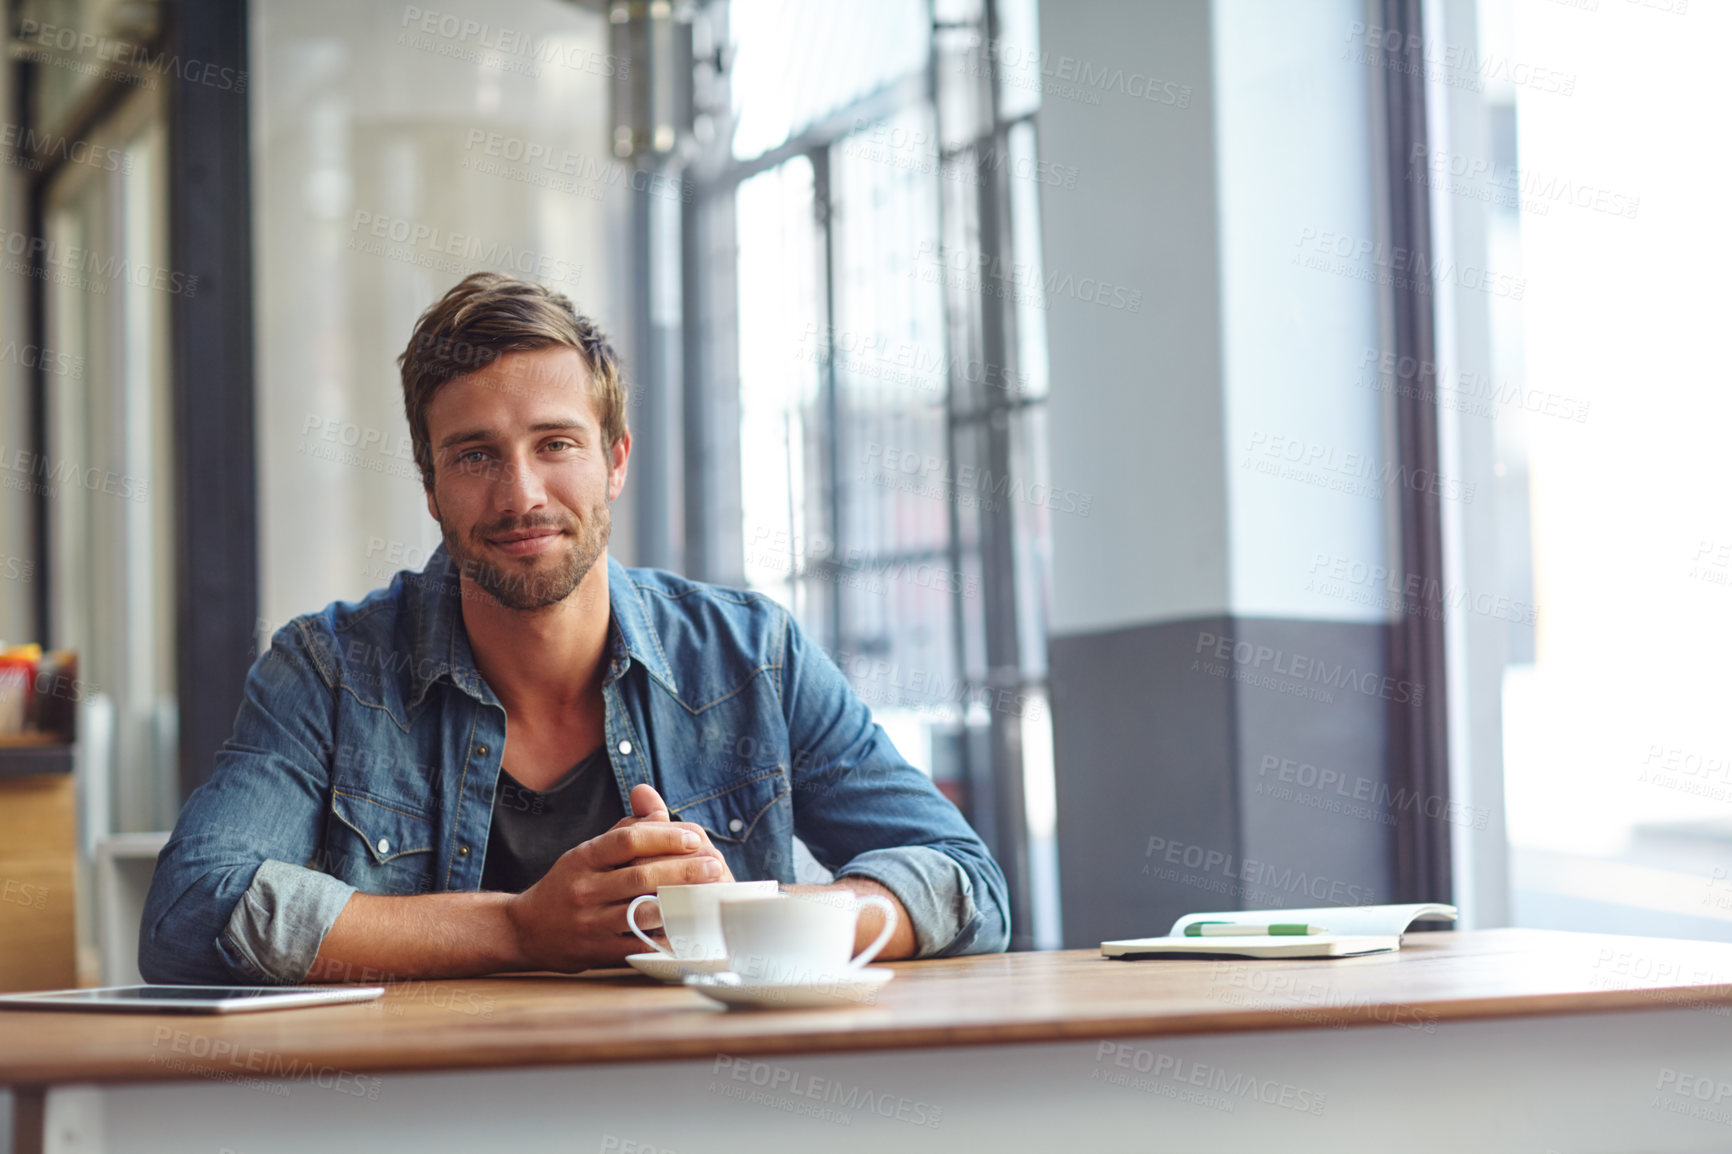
(521, 584)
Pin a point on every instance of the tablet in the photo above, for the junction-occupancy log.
(189, 999)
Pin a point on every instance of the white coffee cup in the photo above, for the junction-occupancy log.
(800, 939)
(690, 919)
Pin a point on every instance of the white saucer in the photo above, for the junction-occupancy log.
(665, 969)
(854, 987)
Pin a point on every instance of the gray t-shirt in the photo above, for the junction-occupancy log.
(532, 827)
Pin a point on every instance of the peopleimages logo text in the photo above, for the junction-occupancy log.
(110, 50)
(1077, 76)
(1308, 669)
(25, 463)
(938, 477)
(1363, 258)
(554, 49)
(432, 246)
(1021, 281)
(1312, 458)
(1253, 872)
(90, 264)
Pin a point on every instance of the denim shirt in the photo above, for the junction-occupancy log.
(367, 748)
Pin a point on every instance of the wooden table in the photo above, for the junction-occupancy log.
(1493, 1040)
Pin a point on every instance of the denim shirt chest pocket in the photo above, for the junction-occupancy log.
(747, 819)
(379, 847)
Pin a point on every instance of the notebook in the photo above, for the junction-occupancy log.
(1349, 931)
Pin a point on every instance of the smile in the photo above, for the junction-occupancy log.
(525, 543)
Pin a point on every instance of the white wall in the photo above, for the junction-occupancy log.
(1293, 140)
(1135, 414)
(1238, 349)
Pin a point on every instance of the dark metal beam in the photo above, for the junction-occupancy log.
(1419, 740)
(998, 519)
(216, 516)
(824, 205)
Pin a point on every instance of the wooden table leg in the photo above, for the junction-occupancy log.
(29, 1113)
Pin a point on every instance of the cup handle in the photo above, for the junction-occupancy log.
(631, 920)
(878, 943)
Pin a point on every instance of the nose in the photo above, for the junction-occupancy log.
(519, 489)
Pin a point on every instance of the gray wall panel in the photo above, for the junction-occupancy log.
(1143, 740)
(1313, 770)
(1217, 763)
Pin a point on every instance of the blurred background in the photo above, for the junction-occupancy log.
(1249, 453)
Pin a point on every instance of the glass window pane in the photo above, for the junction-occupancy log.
(781, 351)
(1617, 739)
(796, 61)
(110, 462)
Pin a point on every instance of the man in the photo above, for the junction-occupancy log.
(475, 769)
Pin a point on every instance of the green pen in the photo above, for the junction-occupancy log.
(1235, 930)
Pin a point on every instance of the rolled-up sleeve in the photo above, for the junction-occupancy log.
(233, 898)
(939, 897)
(864, 811)
(276, 928)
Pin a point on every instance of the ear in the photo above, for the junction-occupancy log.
(617, 457)
(433, 506)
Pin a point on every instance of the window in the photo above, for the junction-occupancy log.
(890, 394)
(109, 461)
(1606, 587)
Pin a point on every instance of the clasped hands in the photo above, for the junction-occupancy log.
(574, 917)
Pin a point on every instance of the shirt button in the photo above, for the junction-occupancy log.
(384, 845)
(625, 747)
(736, 826)
(462, 851)
(481, 750)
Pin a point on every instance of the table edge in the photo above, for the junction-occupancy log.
(1426, 1017)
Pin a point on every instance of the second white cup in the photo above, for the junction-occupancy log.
(690, 917)
(801, 939)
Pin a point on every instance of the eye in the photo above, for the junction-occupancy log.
(471, 462)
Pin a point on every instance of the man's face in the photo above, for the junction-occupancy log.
(521, 476)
